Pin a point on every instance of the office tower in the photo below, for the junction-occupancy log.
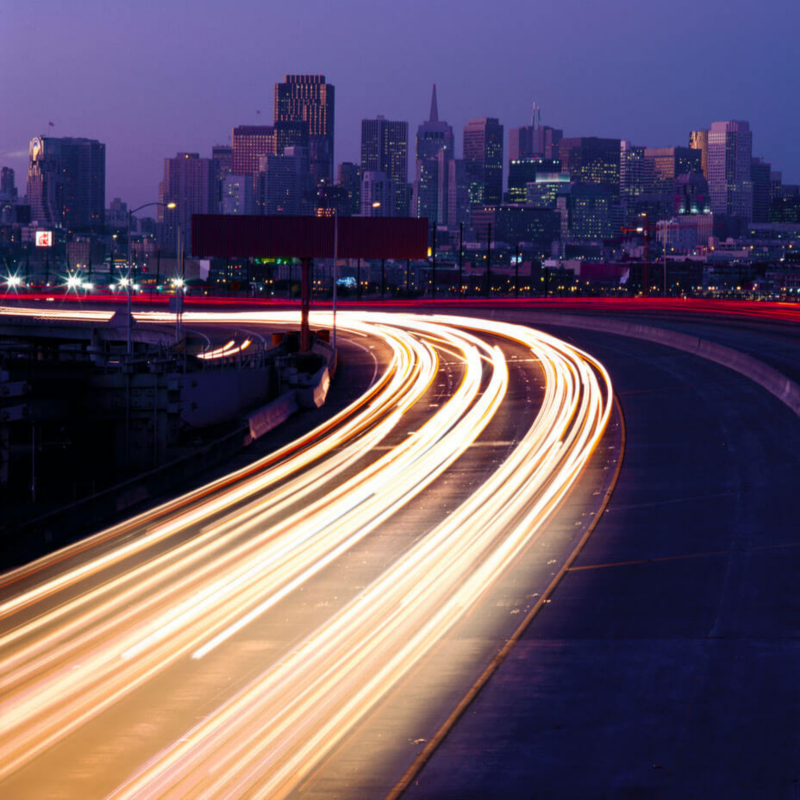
(665, 164)
(691, 194)
(587, 212)
(760, 172)
(378, 193)
(349, 178)
(7, 188)
(249, 143)
(310, 99)
(384, 148)
(633, 177)
(290, 133)
(592, 160)
(534, 140)
(222, 158)
(285, 183)
(457, 193)
(483, 152)
(730, 153)
(188, 182)
(544, 192)
(237, 195)
(222, 155)
(523, 171)
(514, 224)
(433, 137)
(698, 140)
(66, 183)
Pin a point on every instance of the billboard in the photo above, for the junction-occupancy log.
(44, 238)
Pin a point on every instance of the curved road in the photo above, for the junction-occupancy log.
(226, 643)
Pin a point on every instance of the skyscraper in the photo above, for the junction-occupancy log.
(189, 182)
(7, 188)
(349, 178)
(665, 164)
(483, 154)
(384, 148)
(534, 140)
(592, 160)
(66, 183)
(433, 136)
(698, 140)
(285, 185)
(378, 194)
(249, 143)
(310, 99)
(730, 153)
(760, 176)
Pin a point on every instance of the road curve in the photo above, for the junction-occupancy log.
(96, 627)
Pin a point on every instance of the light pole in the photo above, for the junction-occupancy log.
(129, 281)
(335, 273)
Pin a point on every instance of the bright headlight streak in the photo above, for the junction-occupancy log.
(286, 772)
(40, 697)
(368, 647)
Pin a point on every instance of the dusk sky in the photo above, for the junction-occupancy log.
(160, 76)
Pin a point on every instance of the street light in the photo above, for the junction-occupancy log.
(129, 282)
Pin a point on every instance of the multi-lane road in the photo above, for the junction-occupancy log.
(343, 591)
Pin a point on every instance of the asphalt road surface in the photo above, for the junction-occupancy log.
(666, 664)
(244, 639)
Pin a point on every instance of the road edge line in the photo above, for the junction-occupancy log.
(447, 726)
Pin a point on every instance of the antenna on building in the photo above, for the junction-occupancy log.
(533, 116)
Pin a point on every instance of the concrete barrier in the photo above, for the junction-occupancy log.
(775, 382)
(271, 415)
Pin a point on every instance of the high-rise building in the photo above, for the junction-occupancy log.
(349, 178)
(237, 194)
(457, 193)
(760, 172)
(249, 143)
(534, 140)
(730, 153)
(592, 160)
(698, 140)
(188, 182)
(665, 164)
(523, 171)
(433, 136)
(633, 177)
(378, 193)
(8, 190)
(222, 158)
(483, 153)
(66, 183)
(384, 148)
(310, 99)
(285, 183)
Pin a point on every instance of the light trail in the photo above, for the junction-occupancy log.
(136, 599)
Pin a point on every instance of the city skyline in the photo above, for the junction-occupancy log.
(140, 87)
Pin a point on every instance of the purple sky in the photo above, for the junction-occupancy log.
(157, 76)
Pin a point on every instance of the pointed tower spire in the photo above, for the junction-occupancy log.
(434, 107)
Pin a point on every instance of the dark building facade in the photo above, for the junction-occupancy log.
(66, 183)
(483, 154)
(349, 178)
(592, 160)
(523, 171)
(310, 99)
(384, 148)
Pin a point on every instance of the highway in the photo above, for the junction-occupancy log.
(226, 643)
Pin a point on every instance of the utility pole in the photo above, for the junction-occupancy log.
(489, 262)
(460, 259)
(433, 251)
(516, 273)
